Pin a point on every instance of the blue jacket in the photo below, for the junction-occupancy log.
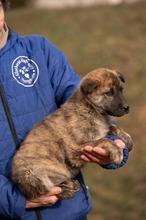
(35, 79)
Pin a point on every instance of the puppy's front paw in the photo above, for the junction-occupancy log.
(114, 152)
(128, 141)
(116, 156)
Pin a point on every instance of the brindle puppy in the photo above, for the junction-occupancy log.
(50, 154)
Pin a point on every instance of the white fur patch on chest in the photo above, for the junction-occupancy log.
(102, 130)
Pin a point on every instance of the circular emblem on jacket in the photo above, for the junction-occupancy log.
(25, 71)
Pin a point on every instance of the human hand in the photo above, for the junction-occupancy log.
(48, 199)
(99, 155)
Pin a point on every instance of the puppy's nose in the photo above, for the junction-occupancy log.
(126, 109)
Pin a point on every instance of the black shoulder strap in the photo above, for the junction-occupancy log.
(9, 118)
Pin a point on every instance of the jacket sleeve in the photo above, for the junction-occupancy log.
(62, 76)
(12, 201)
(125, 153)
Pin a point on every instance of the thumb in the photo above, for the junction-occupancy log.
(120, 143)
(55, 190)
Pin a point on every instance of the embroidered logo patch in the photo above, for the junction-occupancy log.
(25, 71)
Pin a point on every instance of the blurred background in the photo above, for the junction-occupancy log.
(93, 34)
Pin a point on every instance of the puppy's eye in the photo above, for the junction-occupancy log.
(109, 93)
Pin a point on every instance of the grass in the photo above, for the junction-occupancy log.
(113, 37)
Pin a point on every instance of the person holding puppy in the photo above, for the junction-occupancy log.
(35, 79)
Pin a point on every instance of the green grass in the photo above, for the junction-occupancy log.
(112, 37)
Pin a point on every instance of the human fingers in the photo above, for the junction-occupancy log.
(95, 155)
(48, 199)
(41, 203)
(94, 150)
(90, 158)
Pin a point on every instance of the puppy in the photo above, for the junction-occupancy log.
(50, 154)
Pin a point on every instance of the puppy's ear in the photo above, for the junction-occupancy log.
(88, 86)
(120, 75)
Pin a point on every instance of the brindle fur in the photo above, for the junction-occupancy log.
(50, 154)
